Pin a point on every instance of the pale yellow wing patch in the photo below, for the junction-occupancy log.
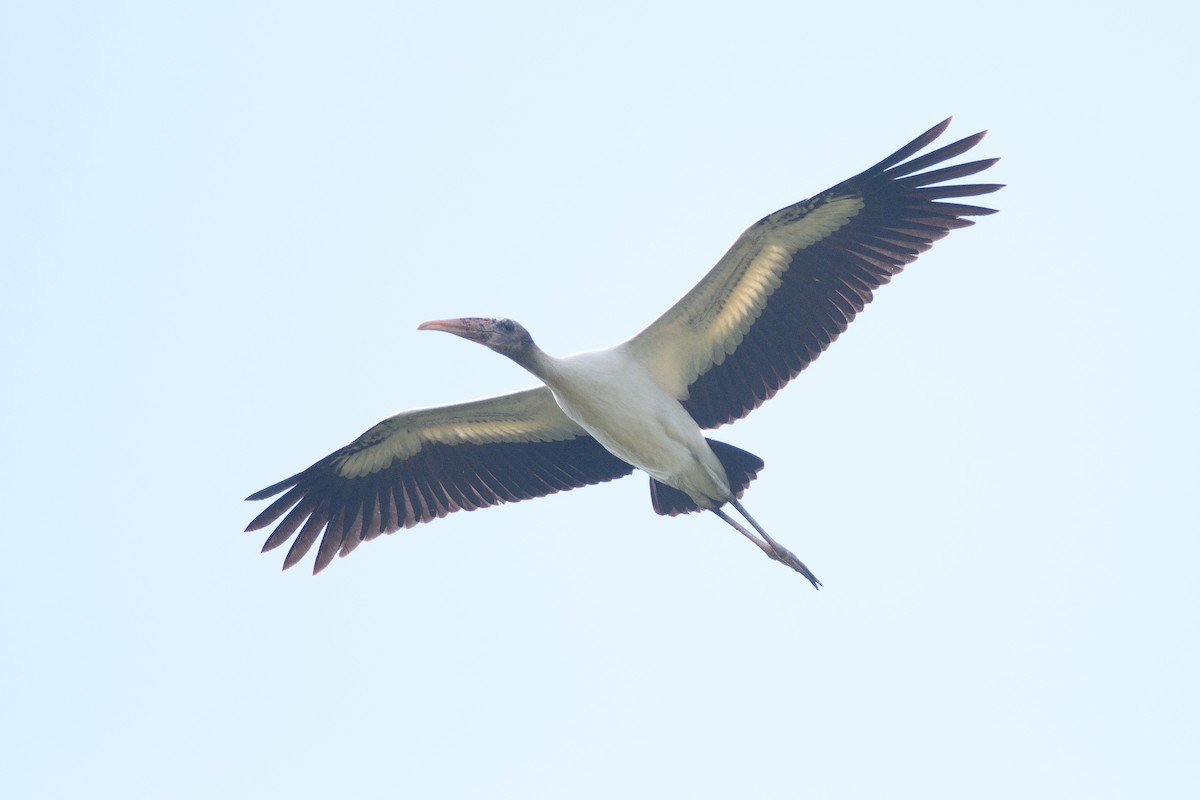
(711, 320)
(526, 416)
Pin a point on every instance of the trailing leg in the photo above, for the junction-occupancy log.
(772, 548)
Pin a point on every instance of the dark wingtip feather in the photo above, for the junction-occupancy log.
(261, 521)
(962, 210)
(935, 156)
(276, 488)
(307, 536)
(915, 146)
(945, 173)
(330, 544)
(295, 554)
(955, 190)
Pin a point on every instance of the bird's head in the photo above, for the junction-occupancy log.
(500, 334)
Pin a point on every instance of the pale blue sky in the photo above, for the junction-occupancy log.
(222, 224)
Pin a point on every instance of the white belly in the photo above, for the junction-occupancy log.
(617, 401)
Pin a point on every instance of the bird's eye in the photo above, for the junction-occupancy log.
(506, 326)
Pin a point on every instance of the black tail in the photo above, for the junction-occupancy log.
(740, 468)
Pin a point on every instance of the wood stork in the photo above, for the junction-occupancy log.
(785, 290)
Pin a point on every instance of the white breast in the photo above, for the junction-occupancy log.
(618, 401)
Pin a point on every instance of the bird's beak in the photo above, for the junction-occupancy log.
(473, 328)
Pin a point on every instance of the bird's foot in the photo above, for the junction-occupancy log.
(785, 556)
(772, 548)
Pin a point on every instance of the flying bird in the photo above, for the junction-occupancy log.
(789, 285)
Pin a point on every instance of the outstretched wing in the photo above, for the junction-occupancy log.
(796, 278)
(423, 464)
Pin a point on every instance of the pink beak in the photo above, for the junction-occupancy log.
(472, 328)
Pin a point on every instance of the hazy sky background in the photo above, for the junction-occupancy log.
(222, 223)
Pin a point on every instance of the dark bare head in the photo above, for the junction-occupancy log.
(500, 334)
